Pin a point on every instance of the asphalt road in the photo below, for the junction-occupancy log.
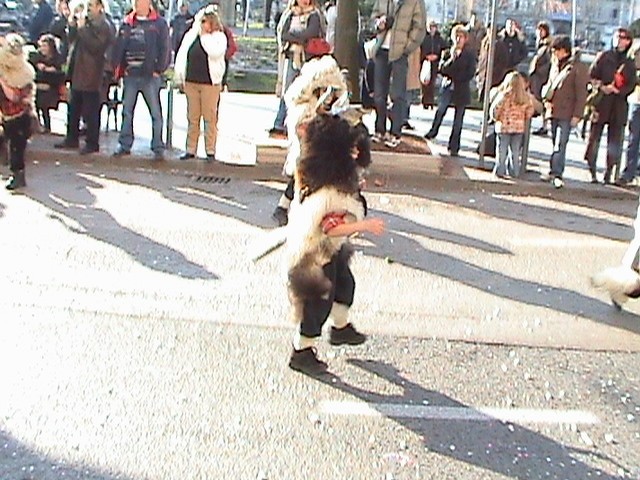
(137, 341)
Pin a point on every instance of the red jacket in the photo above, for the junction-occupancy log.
(232, 47)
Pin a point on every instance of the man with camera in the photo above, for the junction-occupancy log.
(400, 27)
(89, 37)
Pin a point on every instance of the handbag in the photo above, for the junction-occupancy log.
(489, 143)
(316, 47)
(425, 72)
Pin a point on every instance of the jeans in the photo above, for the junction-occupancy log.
(150, 89)
(290, 75)
(458, 118)
(390, 80)
(509, 150)
(560, 131)
(633, 147)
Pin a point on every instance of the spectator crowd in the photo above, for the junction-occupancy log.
(81, 57)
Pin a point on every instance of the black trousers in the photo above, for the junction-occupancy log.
(615, 139)
(17, 131)
(86, 105)
(316, 311)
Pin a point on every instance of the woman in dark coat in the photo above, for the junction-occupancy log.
(541, 62)
(431, 50)
(500, 63)
(614, 74)
(458, 71)
(49, 77)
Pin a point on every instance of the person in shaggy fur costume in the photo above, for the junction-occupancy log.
(17, 103)
(301, 98)
(622, 282)
(326, 210)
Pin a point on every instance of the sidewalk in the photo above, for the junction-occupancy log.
(243, 140)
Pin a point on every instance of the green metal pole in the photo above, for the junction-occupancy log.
(169, 114)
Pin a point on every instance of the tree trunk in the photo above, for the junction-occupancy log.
(346, 49)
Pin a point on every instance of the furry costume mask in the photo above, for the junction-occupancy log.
(319, 89)
(15, 70)
(327, 158)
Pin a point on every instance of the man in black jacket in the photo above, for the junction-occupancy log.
(42, 17)
(89, 35)
(180, 23)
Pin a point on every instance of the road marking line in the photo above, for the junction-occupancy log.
(485, 414)
(566, 242)
(210, 196)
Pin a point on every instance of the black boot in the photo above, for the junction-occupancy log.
(307, 362)
(346, 336)
(16, 180)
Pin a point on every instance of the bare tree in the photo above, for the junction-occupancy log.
(346, 49)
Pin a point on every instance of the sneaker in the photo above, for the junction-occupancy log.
(16, 180)
(346, 336)
(277, 133)
(120, 152)
(542, 132)
(430, 135)
(377, 137)
(281, 216)
(307, 362)
(623, 182)
(210, 158)
(408, 126)
(393, 141)
(186, 156)
(557, 182)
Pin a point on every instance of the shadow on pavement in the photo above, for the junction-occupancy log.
(509, 206)
(20, 462)
(256, 210)
(80, 205)
(507, 449)
(410, 253)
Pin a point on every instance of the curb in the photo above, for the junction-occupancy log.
(389, 170)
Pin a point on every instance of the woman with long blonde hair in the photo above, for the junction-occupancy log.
(199, 69)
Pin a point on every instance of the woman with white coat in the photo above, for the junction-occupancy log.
(199, 68)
